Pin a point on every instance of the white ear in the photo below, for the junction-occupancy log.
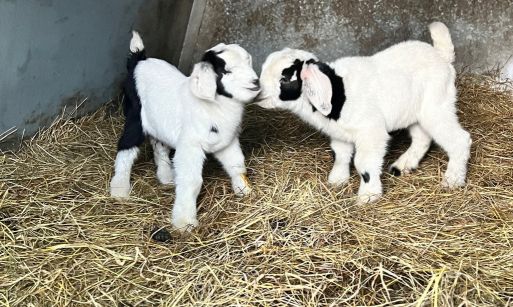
(203, 81)
(317, 88)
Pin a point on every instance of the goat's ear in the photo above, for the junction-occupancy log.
(317, 88)
(203, 81)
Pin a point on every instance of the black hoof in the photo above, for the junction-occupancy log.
(395, 171)
(160, 234)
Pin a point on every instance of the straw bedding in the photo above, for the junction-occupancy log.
(294, 241)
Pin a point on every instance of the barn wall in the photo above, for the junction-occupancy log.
(59, 52)
(482, 30)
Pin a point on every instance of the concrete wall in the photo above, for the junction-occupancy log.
(482, 30)
(60, 52)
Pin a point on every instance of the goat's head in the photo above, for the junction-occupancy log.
(281, 77)
(291, 74)
(225, 70)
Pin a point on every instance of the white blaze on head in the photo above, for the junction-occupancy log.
(317, 88)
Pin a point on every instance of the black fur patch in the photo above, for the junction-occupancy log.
(219, 66)
(133, 135)
(337, 85)
(291, 90)
(395, 171)
(365, 177)
(214, 129)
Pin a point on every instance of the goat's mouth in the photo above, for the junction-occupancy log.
(256, 86)
(262, 100)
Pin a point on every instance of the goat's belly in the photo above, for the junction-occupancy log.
(216, 142)
(400, 117)
(165, 131)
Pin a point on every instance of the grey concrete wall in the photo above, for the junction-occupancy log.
(60, 52)
(482, 30)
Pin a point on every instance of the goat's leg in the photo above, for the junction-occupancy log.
(188, 162)
(232, 159)
(343, 152)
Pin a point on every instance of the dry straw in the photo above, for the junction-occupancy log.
(295, 241)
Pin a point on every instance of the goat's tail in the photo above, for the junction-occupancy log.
(442, 40)
(137, 52)
(131, 101)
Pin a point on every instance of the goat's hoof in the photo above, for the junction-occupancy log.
(119, 188)
(241, 186)
(337, 179)
(453, 182)
(367, 198)
(396, 171)
(184, 223)
(165, 176)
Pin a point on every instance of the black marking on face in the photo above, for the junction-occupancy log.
(291, 89)
(395, 171)
(337, 85)
(333, 155)
(365, 177)
(219, 66)
(214, 129)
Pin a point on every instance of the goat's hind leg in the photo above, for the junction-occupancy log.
(441, 122)
(410, 159)
(164, 166)
(128, 150)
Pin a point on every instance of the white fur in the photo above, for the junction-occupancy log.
(409, 85)
(179, 112)
(136, 43)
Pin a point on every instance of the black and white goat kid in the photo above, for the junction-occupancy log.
(357, 101)
(195, 115)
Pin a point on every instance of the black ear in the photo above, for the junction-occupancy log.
(290, 82)
(337, 84)
(219, 67)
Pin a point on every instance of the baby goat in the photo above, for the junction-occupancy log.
(195, 115)
(356, 101)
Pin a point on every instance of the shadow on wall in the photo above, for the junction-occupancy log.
(481, 31)
(65, 53)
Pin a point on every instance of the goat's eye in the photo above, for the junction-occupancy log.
(284, 80)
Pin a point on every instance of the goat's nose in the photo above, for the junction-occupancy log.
(256, 84)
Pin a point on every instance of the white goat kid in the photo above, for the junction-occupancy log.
(195, 115)
(356, 101)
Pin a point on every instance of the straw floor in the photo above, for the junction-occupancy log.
(294, 241)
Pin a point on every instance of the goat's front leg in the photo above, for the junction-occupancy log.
(343, 152)
(368, 160)
(188, 163)
(232, 159)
